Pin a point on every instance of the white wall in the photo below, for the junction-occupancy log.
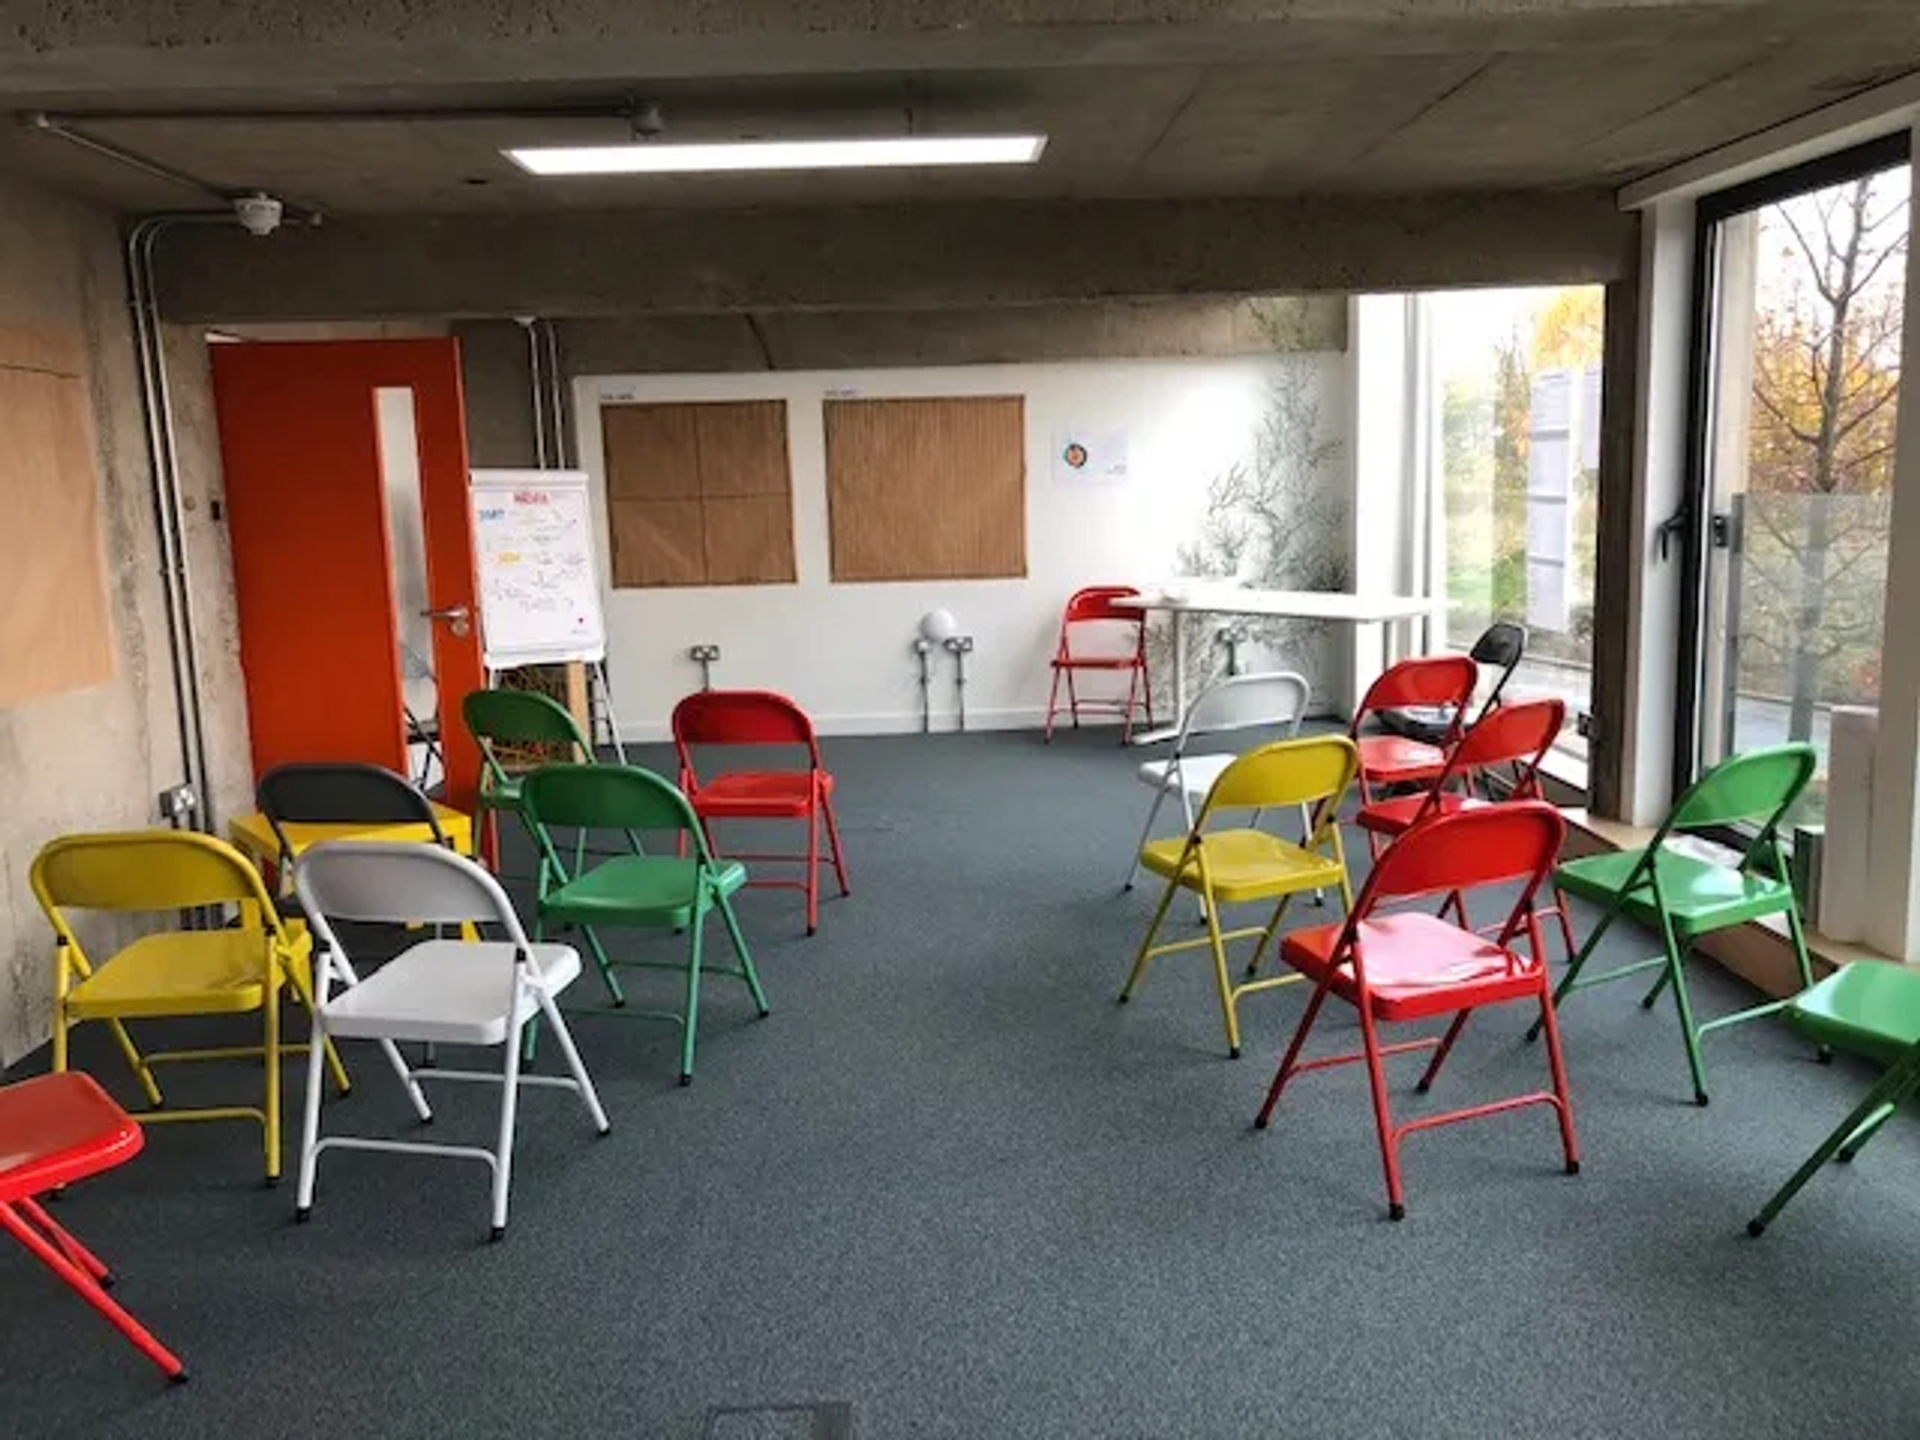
(844, 651)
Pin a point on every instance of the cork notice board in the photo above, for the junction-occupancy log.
(699, 494)
(927, 489)
(55, 631)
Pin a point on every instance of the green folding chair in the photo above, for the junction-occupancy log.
(1870, 1008)
(501, 718)
(636, 889)
(1685, 897)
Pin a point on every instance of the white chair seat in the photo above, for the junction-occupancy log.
(1198, 772)
(446, 991)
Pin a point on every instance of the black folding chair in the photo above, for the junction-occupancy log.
(1501, 644)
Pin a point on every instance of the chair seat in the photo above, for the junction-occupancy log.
(1394, 757)
(1244, 865)
(1417, 965)
(763, 793)
(1870, 1007)
(180, 972)
(1700, 895)
(1098, 662)
(1196, 772)
(1391, 817)
(55, 1129)
(447, 991)
(642, 889)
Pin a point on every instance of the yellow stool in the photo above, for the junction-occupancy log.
(1235, 866)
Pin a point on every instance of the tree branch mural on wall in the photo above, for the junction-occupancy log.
(1275, 521)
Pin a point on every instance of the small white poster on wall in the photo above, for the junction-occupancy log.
(1090, 456)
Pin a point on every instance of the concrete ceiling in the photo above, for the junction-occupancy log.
(1142, 99)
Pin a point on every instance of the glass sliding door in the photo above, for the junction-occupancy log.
(1800, 384)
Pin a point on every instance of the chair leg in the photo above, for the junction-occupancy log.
(1566, 924)
(310, 1124)
(1218, 948)
(1146, 833)
(66, 1242)
(1441, 1051)
(503, 1146)
(1267, 934)
(343, 1084)
(1899, 1077)
(576, 1067)
(89, 1289)
(691, 1023)
(271, 1010)
(1126, 715)
(603, 965)
(747, 969)
(1676, 973)
(1382, 1116)
(1306, 832)
(1805, 966)
(1557, 1067)
(1285, 1072)
(813, 867)
(1575, 965)
(833, 846)
(1073, 699)
(1146, 942)
(1053, 706)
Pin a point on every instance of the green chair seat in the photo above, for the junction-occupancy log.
(1699, 895)
(1682, 897)
(651, 889)
(1871, 1008)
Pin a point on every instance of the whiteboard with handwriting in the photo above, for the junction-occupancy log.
(533, 554)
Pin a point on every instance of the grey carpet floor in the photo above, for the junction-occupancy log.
(950, 1188)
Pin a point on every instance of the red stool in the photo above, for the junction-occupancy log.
(1094, 606)
(54, 1130)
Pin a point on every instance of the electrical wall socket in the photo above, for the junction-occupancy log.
(177, 802)
(704, 654)
(960, 644)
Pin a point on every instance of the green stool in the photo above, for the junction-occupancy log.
(1871, 1008)
(666, 891)
(1684, 897)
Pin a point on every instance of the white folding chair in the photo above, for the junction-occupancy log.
(1274, 700)
(454, 992)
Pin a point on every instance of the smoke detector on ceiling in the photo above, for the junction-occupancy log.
(258, 213)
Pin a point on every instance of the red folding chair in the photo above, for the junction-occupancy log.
(1517, 735)
(1408, 965)
(760, 717)
(54, 1130)
(1440, 682)
(1094, 606)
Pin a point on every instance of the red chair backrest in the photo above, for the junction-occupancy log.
(1490, 845)
(1520, 734)
(1095, 602)
(1441, 680)
(740, 717)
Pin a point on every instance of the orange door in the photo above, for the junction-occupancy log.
(312, 554)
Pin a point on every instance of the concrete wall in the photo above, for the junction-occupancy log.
(95, 758)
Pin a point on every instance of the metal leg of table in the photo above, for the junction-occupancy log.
(1179, 651)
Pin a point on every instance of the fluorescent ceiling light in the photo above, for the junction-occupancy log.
(656, 158)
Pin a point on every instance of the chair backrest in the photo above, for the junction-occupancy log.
(1245, 702)
(1285, 773)
(1095, 602)
(1757, 786)
(144, 871)
(340, 792)
(1502, 645)
(520, 717)
(1438, 680)
(1518, 734)
(397, 882)
(605, 797)
(740, 717)
(1490, 845)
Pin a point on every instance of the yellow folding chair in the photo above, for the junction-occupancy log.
(1247, 864)
(234, 970)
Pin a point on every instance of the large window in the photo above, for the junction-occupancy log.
(1514, 443)
(1798, 384)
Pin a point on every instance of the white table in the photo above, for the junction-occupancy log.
(1386, 611)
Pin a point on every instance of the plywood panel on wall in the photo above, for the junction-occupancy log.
(699, 494)
(55, 631)
(931, 488)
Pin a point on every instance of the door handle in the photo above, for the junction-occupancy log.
(458, 618)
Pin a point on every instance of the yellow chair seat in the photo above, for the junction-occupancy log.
(1244, 865)
(180, 972)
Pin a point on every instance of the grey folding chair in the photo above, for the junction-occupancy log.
(457, 992)
(1274, 700)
